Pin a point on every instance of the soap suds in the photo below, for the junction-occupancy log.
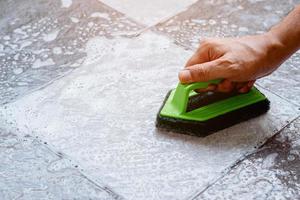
(96, 48)
(66, 3)
(16, 57)
(18, 71)
(100, 15)
(57, 50)
(243, 29)
(212, 22)
(39, 63)
(114, 77)
(20, 31)
(25, 44)
(199, 21)
(91, 24)
(74, 19)
(51, 36)
(7, 37)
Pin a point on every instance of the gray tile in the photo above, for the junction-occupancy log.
(45, 41)
(224, 19)
(13, 14)
(30, 170)
(149, 12)
(237, 18)
(270, 173)
(286, 80)
(103, 114)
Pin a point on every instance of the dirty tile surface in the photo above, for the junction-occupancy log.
(80, 89)
(149, 12)
(285, 81)
(237, 18)
(224, 19)
(103, 116)
(37, 47)
(275, 168)
(29, 170)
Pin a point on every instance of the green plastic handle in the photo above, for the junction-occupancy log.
(181, 95)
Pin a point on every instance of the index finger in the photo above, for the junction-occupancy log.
(200, 56)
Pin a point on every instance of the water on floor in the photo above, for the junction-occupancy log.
(81, 83)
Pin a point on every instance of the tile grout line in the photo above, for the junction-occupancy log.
(60, 154)
(238, 161)
(79, 169)
(278, 132)
(134, 35)
(271, 91)
(243, 157)
(102, 187)
(162, 20)
(137, 34)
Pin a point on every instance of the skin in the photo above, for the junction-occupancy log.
(240, 61)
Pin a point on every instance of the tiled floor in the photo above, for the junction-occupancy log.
(149, 12)
(30, 170)
(43, 47)
(236, 18)
(88, 80)
(274, 167)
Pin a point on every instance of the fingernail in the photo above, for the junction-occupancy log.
(185, 76)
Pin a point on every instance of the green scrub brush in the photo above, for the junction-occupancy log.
(188, 112)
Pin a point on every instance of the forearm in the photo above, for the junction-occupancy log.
(287, 32)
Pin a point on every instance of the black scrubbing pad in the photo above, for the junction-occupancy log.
(210, 126)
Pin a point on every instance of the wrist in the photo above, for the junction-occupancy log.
(287, 32)
(274, 44)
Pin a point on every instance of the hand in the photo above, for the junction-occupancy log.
(238, 61)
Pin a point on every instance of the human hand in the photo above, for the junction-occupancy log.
(238, 61)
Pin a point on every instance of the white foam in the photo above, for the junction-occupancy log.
(212, 22)
(39, 63)
(7, 37)
(16, 57)
(22, 83)
(199, 21)
(96, 49)
(57, 50)
(39, 51)
(25, 43)
(20, 31)
(18, 71)
(224, 22)
(243, 29)
(91, 24)
(66, 3)
(74, 19)
(51, 36)
(35, 34)
(100, 15)
(103, 115)
(149, 12)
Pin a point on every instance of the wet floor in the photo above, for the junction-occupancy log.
(81, 83)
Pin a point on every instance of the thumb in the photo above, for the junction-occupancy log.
(202, 72)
